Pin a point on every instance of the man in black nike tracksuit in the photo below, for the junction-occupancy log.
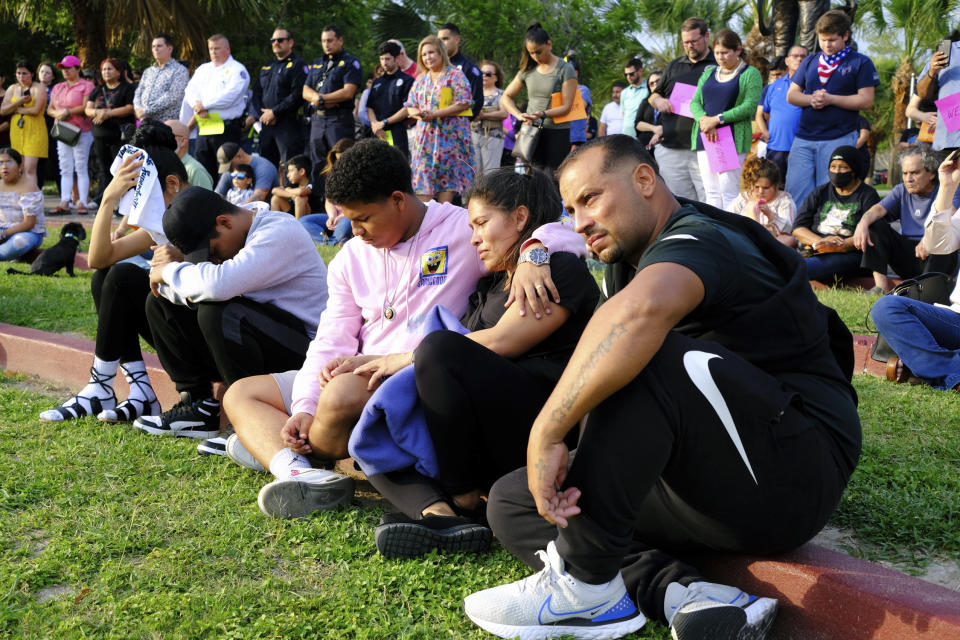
(721, 415)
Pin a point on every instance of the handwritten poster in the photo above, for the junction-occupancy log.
(722, 154)
(680, 98)
(949, 109)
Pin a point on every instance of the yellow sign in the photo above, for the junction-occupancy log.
(212, 125)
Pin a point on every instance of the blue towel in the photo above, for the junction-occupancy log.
(392, 432)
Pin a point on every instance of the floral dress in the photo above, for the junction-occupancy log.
(442, 154)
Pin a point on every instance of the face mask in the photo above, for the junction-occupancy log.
(840, 180)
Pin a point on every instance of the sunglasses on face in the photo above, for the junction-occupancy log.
(238, 174)
(488, 74)
(272, 40)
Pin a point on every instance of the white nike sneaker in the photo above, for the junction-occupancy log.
(239, 454)
(553, 603)
(716, 611)
(306, 492)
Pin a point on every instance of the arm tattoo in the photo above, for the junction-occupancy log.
(541, 467)
(560, 414)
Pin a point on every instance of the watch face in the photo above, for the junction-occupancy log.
(537, 256)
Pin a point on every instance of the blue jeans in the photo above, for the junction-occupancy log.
(809, 163)
(20, 243)
(926, 337)
(828, 266)
(316, 226)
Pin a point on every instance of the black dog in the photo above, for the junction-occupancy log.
(60, 255)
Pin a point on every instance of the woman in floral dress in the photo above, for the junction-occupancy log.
(442, 157)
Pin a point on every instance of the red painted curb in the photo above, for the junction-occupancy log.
(824, 595)
(863, 363)
(67, 360)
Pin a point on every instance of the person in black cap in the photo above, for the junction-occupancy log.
(827, 219)
(245, 300)
(277, 96)
(230, 155)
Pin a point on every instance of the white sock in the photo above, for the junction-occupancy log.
(136, 375)
(285, 461)
(101, 379)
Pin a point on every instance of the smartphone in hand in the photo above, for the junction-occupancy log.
(944, 47)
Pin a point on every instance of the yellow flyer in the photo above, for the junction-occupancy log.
(212, 125)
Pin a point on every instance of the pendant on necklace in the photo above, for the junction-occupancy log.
(388, 313)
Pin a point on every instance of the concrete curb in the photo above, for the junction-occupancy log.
(823, 594)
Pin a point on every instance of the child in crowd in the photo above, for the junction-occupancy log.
(762, 200)
(242, 190)
(300, 196)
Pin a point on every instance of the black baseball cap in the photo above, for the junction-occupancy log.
(190, 220)
(225, 155)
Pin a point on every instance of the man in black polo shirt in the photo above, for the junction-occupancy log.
(449, 35)
(678, 163)
(277, 96)
(721, 419)
(387, 95)
(330, 87)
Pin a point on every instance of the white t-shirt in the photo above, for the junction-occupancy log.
(613, 118)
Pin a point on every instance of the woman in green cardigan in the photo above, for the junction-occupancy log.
(726, 96)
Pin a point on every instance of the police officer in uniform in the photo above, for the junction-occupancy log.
(277, 96)
(449, 35)
(330, 87)
(387, 95)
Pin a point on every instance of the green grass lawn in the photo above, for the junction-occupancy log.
(109, 533)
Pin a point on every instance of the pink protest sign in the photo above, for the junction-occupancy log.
(949, 109)
(680, 98)
(722, 154)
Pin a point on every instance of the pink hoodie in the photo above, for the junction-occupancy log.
(438, 265)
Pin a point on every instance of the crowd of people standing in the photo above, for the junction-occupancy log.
(486, 317)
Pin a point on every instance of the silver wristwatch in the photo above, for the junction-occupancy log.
(538, 256)
(720, 119)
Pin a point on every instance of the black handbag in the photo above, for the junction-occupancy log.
(526, 141)
(65, 132)
(931, 288)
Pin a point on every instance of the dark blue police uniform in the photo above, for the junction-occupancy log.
(279, 86)
(329, 124)
(387, 96)
(474, 77)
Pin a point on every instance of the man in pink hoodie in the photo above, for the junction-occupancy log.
(407, 257)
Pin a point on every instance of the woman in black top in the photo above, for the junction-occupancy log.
(649, 129)
(110, 106)
(481, 392)
(827, 219)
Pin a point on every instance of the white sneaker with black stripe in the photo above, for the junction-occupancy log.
(186, 419)
(212, 447)
(716, 611)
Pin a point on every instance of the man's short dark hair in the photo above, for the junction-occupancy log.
(288, 32)
(369, 171)
(449, 26)
(620, 83)
(616, 148)
(389, 48)
(695, 23)
(166, 38)
(634, 63)
(334, 28)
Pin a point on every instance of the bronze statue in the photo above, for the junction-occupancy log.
(787, 15)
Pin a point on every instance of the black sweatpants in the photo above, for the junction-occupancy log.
(661, 472)
(105, 149)
(119, 292)
(224, 341)
(479, 408)
(890, 249)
